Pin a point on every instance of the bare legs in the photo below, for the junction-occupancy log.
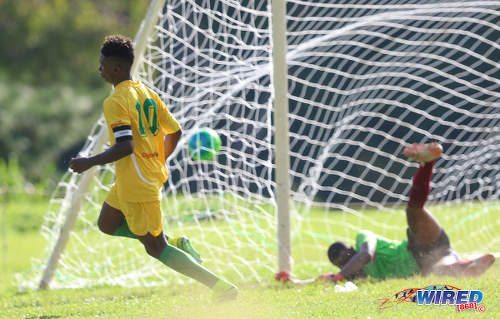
(110, 219)
(424, 229)
(427, 236)
(423, 226)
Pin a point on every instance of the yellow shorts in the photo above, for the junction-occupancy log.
(141, 217)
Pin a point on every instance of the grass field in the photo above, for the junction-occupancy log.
(20, 244)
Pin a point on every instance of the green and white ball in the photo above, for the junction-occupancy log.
(204, 144)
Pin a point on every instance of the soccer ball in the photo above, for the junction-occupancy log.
(204, 144)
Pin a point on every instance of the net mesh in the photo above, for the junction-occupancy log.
(364, 77)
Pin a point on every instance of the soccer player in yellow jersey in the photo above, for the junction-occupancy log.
(143, 134)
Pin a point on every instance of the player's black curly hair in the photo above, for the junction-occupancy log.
(118, 46)
(335, 249)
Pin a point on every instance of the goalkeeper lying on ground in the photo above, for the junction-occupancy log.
(427, 249)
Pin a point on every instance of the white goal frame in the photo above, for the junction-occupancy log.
(282, 147)
(314, 102)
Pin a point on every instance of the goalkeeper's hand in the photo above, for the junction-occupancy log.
(331, 277)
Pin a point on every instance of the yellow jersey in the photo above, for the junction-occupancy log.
(133, 111)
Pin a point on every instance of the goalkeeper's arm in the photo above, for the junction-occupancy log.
(359, 260)
(354, 267)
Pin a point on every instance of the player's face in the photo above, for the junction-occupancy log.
(105, 68)
(344, 256)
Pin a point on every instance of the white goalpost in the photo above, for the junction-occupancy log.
(313, 101)
(280, 85)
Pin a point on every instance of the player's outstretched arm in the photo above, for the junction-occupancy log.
(354, 267)
(358, 261)
(112, 154)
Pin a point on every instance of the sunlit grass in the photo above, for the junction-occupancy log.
(467, 224)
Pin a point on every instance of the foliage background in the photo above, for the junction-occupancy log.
(50, 90)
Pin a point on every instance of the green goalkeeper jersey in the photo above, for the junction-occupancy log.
(392, 259)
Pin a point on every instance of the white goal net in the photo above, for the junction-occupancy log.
(365, 77)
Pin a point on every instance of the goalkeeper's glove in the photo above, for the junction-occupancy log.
(331, 277)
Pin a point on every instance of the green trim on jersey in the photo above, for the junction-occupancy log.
(392, 259)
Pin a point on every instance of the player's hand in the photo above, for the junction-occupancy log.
(330, 277)
(80, 164)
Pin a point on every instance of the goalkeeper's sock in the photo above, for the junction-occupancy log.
(124, 231)
(187, 265)
(421, 185)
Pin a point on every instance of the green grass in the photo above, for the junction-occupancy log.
(22, 213)
(19, 245)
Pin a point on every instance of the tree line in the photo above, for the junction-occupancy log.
(50, 89)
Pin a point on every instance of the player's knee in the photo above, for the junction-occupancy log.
(104, 227)
(154, 249)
